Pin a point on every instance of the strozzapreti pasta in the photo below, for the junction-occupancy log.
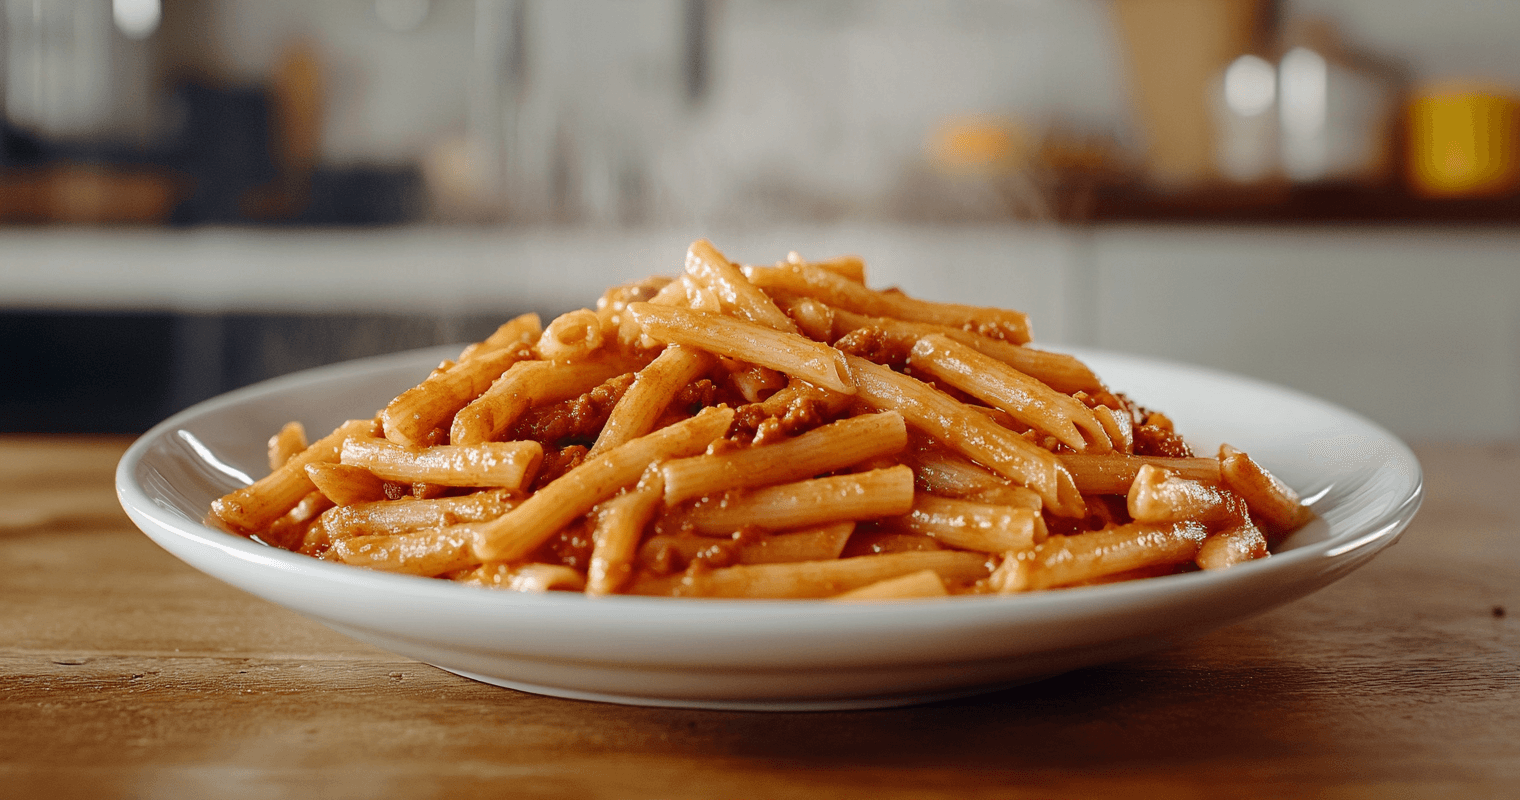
(765, 432)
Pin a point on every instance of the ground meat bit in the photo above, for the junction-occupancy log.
(802, 414)
(1141, 415)
(557, 462)
(755, 424)
(1102, 511)
(874, 345)
(695, 396)
(571, 547)
(748, 417)
(573, 421)
(769, 431)
(1153, 440)
(1107, 509)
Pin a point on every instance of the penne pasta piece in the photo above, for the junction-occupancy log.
(815, 319)
(814, 579)
(957, 427)
(841, 292)
(1236, 545)
(1113, 473)
(315, 542)
(290, 531)
(699, 297)
(620, 524)
(652, 390)
(1270, 499)
(876, 542)
(1016, 496)
(713, 270)
(1119, 427)
(672, 294)
(818, 543)
(284, 445)
(612, 308)
(346, 485)
(572, 336)
(1062, 560)
(973, 526)
(402, 516)
(426, 553)
(824, 449)
(523, 386)
(1027, 400)
(552, 507)
(939, 471)
(416, 412)
(252, 508)
(785, 352)
(863, 495)
(526, 577)
(663, 553)
(1059, 371)
(508, 465)
(756, 383)
(524, 329)
(852, 267)
(1157, 495)
(926, 583)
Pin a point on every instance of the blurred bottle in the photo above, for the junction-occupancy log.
(1336, 110)
(1464, 141)
(78, 71)
(1246, 120)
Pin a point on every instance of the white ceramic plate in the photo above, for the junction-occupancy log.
(786, 655)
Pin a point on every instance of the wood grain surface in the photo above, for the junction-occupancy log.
(124, 673)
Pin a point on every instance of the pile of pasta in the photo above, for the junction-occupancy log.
(770, 432)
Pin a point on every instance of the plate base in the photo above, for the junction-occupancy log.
(831, 704)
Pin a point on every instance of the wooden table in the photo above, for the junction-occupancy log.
(124, 673)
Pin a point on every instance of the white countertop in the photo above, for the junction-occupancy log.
(434, 270)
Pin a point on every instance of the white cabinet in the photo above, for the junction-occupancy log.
(1418, 329)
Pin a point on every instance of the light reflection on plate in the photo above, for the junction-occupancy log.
(778, 655)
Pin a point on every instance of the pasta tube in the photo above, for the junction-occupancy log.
(519, 531)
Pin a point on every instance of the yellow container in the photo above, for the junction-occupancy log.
(1464, 141)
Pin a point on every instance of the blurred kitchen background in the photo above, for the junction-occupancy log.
(200, 194)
